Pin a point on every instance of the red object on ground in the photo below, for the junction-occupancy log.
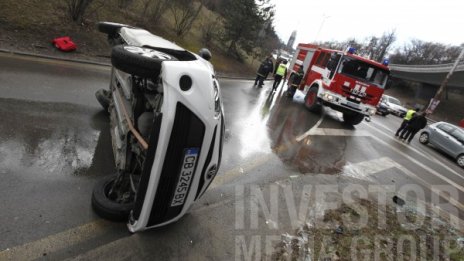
(64, 44)
(461, 123)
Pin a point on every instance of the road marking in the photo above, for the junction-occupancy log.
(239, 171)
(116, 250)
(431, 171)
(335, 132)
(306, 134)
(53, 243)
(366, 168)
(369, 167)
(423, 154)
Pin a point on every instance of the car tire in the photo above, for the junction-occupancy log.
(352, 118)
(460, 160)
(110, 28)
(310, 100)
(104, 206)
(424, 138)
(140, 61)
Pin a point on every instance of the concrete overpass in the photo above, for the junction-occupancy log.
(429, 74)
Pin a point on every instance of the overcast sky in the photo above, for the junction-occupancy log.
(429, 20)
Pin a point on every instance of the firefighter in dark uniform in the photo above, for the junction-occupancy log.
(264, 69)
(294, 82)
(280, 73)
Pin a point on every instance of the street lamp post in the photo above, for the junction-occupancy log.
(436, 99)
(324, 17)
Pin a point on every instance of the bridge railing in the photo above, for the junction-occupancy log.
(435, 68)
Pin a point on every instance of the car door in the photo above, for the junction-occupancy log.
(441, 136)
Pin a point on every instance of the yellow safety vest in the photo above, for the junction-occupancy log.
(409, 115)
(281, 69)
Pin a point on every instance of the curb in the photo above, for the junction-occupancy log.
(51, 57)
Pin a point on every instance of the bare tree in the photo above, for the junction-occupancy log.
(77, 9)
(420, 52)
(384, 44)
(210, 29)
(153, 10)
(123, 4)
(184, 13)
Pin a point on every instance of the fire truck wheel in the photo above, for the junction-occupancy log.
(140, 61)
(311, 100)
(352, 118)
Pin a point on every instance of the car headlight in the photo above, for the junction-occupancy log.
(328, 97)
(217, 99)
(372, 111)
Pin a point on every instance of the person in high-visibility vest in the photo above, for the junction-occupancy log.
(280, 73)
(416, 123)
(409, 114)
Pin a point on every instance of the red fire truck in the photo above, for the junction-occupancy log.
(341, 80)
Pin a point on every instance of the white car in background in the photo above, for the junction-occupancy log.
(394, 105)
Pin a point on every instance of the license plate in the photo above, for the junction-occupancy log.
(185, 177)
(352, 105)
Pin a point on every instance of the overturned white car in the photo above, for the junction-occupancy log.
(167, 128)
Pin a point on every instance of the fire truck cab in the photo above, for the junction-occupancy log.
(341, 80)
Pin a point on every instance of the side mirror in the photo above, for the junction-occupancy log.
(205, 54)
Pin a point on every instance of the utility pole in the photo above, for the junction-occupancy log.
(434, 102)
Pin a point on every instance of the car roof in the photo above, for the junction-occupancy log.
(450, 124)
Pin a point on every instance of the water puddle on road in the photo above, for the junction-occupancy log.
(288, 120)
(51, 140)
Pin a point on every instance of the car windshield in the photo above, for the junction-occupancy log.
(363, 71)
(394, 101)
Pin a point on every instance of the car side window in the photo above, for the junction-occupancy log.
(458, 134)
(446, 128)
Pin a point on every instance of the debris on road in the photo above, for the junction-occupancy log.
(433, 239)
(399, 201)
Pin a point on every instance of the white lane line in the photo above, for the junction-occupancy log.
(306, 134)
(369, 167)
(337, 132)
(53, 243)
(423, 154)
(431, 171)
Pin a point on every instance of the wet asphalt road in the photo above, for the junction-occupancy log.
(54, 146)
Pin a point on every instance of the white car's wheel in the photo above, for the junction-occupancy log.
(140, 61)
(424, 138)
(460, 160)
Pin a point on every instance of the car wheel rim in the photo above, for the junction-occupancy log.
(147, 52)
(423, 138)
(461, 161)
